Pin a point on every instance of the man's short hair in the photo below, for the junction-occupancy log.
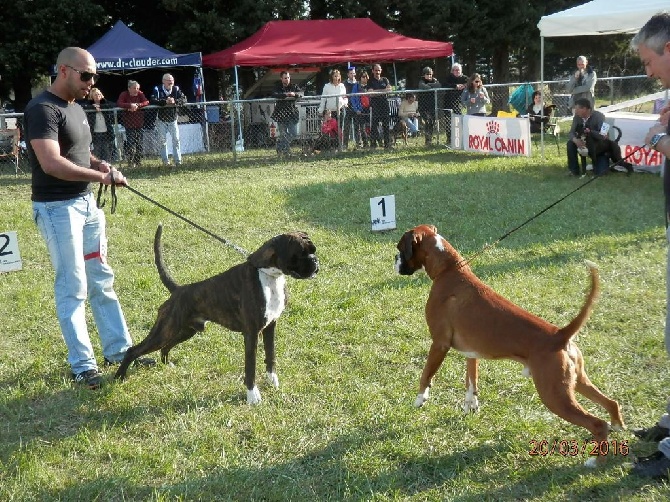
(426, 70)
(583, 103)
(654, 34)
(456, 66)
(284, 72)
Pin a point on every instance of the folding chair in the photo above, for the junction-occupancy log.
(553, 129)
(9, 147)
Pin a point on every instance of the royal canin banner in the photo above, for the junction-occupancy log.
(497, 136)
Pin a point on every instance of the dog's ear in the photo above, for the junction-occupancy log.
(262, 257)
(408, 240)
(433, 228)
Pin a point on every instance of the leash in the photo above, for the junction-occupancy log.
(101, 203)
(465, 262)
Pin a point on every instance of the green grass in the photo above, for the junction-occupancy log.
(351, 344)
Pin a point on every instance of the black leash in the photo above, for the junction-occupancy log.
(102, 201)
(101, 204)
(464, 261)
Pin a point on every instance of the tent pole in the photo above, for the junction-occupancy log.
(542, 93)
(237, 107)
(395, 75)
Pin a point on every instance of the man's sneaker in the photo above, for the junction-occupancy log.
(90, 379)
(145, 362)
(655, 433)
(656, 466)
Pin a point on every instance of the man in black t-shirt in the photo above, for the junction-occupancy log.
(58, 140)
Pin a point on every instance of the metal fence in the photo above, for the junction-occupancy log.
(224, 132)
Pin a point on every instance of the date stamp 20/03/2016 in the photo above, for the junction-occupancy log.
(574, 447)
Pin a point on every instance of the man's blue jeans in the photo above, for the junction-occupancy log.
(74, 231)
(601, 163)
(287, 132)
(163, 128)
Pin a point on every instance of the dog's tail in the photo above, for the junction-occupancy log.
(166, 279)
(565, 334)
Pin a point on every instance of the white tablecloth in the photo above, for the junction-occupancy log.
(190, 139)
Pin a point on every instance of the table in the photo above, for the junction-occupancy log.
(190, 140)
(634, 127)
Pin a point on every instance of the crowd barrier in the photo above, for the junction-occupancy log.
(259, 129)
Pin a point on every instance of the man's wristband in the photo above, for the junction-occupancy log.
(656, 139)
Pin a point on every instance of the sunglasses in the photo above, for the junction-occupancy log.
(85, 76)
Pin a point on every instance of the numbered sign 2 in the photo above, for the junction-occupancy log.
(382, 212)
(10, 258)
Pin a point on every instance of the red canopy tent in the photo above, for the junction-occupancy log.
(280, 43)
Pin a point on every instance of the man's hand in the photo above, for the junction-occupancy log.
(119, 178)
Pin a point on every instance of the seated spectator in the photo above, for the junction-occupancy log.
(329, 138)
(475, 97)
(538, 114)
(408, 112)
(589, 138)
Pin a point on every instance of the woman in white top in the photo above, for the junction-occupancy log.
(334, 95)
(101, 121)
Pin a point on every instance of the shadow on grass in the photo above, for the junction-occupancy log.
(326, 474)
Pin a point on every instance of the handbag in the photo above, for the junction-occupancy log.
(365, 101)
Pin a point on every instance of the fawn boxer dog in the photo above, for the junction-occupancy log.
(464, 313)
(248, 298)
(400, 130)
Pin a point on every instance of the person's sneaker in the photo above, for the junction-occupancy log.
(655, 433)
(656, 466)
(145, 362)
(90, 379)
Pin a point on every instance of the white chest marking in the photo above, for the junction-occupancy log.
(438, 242)
(273, 282)
(470, 355)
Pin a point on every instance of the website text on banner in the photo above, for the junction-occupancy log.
(497, 136)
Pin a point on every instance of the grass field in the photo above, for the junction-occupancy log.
(351, 344)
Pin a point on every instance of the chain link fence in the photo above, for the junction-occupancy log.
(228, 132)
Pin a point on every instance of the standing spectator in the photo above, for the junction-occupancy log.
(349, 113)
(582, 83)
(334, 97)
(168, 96)
(101, 122)
(653, 45)
(361, 109)
(408, 112)
(475, 97)
(427, 103)
(133, 100)
(379, 105)
(454, 84)
(286, 112)
(58, 141)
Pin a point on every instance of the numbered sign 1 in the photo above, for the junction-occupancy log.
(10, 258)
(382, 212)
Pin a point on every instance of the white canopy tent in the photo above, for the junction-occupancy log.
(598, 17)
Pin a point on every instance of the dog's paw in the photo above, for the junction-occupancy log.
(471, 404)
(591, 463)
(273, 379)
(253, 396)
(422, 398)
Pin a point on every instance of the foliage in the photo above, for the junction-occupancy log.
(351, 344)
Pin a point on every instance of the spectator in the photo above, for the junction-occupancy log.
(588, 137)
(68, 219)
(582, 83)
(350, 114)
(428, 103)
(329, 138)
(286, 112)
(168, 97)
(133, 100)
(101, 122)
(538, 114)
(334, 97)
(379, 105)
(455, 84)
(409, 113)
(653, 45)
(475, 97)
(361, 108)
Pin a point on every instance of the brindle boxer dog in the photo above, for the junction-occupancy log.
(464, 313)
(248, 298)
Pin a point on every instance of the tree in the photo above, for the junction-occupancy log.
(33, 33)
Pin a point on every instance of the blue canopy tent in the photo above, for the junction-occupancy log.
(121, 50)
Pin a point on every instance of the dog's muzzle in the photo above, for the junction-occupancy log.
(309, 271)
